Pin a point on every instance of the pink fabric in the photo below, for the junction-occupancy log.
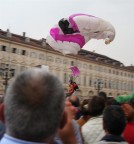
(76, 38)
(75, 71)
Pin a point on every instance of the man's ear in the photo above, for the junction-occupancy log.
(63, 120)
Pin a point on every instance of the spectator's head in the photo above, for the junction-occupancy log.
(103, 94)
(114, 120)
(129, 110)
(70, 81)
(96, 106)
(74, 100)
(34, 106)
(84, 107)
(131, 102)
(112, 101)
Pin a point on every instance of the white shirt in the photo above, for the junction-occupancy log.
(92, 130)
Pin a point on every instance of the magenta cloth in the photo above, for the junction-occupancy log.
(75, 71)
(76, 38)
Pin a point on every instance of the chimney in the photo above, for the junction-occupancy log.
(8, 33)
(43, 42)
(26, 39)
(24, 34)
(8, 30)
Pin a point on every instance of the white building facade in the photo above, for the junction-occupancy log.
(21, 53)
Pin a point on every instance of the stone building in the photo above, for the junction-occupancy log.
(97, 72)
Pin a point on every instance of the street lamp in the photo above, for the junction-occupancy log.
(6, 74)
(98, 84)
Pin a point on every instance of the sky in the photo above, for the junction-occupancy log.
(36, 17)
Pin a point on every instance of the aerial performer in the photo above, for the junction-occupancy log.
(72, 87)
(72, 84)
(70, 34)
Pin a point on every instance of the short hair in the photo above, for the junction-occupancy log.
(114, 119)
(84, 107)
(96, 105)
(34, 105)
(112, 101)
(131, 102)
(103, 94)
(74, 100)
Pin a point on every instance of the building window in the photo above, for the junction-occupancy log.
(90, 66)
(33, 54)
(85, 66)
(13, 72)
(3, 48)
(100, 69)
(3, 65)
(90, 81)
(110, 84)
(95, 68)
(105, 84)
(58, 60)
(79, 64)
(109, 70)
(14, 50)
(84, 82)
(131, 86)
(65, 78)
(23, 52)
(125, 86)
(72, 63)
(79, 80)
(121, 86)
(117, 72)
(117, 85)
(41, 56)
(65, 61)
(49, 58)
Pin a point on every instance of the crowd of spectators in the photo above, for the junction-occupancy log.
(35, 110)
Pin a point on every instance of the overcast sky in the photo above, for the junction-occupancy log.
(36, 17)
